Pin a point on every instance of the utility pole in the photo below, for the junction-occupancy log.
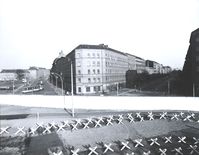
(13, 85)
(72, 89)
(117, 89)
(193, 90)
(168, 87)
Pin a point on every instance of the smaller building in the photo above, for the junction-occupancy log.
(8, 76)
(153, 67)
(140, 64)
(20, 73)
(38, 72)
(167, 69)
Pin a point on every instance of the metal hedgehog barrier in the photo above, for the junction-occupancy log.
(156, 145)
(168, 144)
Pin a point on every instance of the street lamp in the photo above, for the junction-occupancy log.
(56, 80)
(62, 83)
(73, 111)
(117, 88)
(13, 86)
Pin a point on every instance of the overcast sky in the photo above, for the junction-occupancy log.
(33, 32)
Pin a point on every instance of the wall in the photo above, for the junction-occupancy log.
(104, 103)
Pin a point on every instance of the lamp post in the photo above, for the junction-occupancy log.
(13, 85)
(71, 80)
(73, 111)
(168, 87)
(60, 79)
(117, 88)
(62, 83)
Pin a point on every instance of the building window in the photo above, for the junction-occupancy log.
(88, 54)
(89, 80)
(78, 55)
(95, 89)
(79, 79)
(94, 79)
(78, 64)
(98, 79)
(87, 89)
(98, 55)
(93, 54)
(106, 78)
(93, 71)
(98, 63)
(93, 63)
(98, 71)
(99, 88)
(79, 89)
(79, 71)
(88, 63)
(89, 71)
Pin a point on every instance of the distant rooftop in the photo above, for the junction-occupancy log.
(14, 71)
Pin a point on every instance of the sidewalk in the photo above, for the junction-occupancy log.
(57, 90)
(20, 87)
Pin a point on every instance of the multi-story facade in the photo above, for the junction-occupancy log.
(153, 67)
(8, 76)
(167, 69)
(95, 68)
(131, 61)
(191, 66)
(140, 65)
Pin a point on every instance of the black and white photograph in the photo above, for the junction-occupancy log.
(99, 77)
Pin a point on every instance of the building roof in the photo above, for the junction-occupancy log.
(134, 56)
(100, 46)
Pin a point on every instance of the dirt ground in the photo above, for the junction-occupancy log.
(43, 143)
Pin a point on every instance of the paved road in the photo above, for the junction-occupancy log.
(48, 88)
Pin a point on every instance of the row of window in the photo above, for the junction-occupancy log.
(94, 63)
(89, 80)
(88, 89)
(89, 55)
(97, 71)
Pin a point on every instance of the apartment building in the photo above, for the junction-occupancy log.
(95, 68)
(140, 65)
(153, 67)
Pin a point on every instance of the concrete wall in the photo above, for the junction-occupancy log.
(103, 103)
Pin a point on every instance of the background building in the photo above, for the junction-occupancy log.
(8, 76)
(191, 66)
(13, 74)
(131, 61)
(140, 65)
(153, 67)
(96, 68)
(38, 72)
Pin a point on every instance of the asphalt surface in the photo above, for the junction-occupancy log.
(49, 89)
